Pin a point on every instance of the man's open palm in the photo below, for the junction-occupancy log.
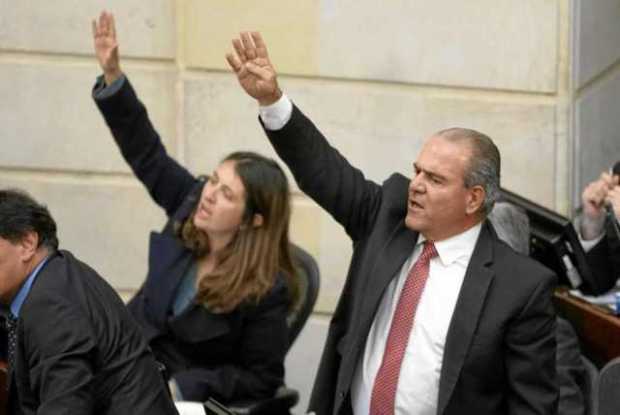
(253, 68)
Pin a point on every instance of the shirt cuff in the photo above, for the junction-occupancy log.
(276, 115)
(103, 91)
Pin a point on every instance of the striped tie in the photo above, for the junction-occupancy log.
(11, 329)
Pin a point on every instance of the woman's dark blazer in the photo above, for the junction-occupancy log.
(232, 356)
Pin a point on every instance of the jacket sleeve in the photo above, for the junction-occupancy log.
(260, 368)
(60, 353)
(571, 371)
(166, 180)
(326, 176)
(604, 259)
(531, 355)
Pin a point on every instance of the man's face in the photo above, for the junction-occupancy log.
(438, 200)
(13, 269)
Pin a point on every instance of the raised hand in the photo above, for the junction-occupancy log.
(106, 46)
(595, 194)
(254, 71)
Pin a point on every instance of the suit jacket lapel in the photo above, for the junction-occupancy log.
(466, 315)
(168, 261)
(390, 259)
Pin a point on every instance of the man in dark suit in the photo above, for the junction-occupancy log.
(73, 348)
(437, 315)
(598, 226)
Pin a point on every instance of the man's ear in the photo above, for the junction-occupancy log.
(28, 246)
(475, 199)
(257, 220)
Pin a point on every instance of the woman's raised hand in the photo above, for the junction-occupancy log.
(106, 46)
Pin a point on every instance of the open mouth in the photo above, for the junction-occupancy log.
(203, 210)
(415, 205)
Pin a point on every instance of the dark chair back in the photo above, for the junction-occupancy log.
(609, 388)
(590, 386)
(308, 279)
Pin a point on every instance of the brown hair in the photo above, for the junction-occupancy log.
(248, 267)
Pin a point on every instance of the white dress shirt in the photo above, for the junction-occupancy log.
(276, 115)
(418, 384)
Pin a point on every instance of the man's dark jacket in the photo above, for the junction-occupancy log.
(604, 257)
(499, 355)
(79, 350)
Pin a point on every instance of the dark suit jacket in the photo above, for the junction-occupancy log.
(604, 258)
(499, 355)
(572, 377)
(79, 350)
(233, 356)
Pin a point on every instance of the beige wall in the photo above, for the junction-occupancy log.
(376, 77)
(596, 84)
(377, 80)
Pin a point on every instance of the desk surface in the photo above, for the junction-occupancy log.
(598, 330)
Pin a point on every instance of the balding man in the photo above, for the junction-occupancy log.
(437, 315)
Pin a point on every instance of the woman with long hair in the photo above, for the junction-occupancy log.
(214, 303)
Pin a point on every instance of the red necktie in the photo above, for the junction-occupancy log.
(384, 388)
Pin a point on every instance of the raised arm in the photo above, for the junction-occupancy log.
(319, 169)
(594, 198)
(597, 229)
(106, 47)
(166, 180)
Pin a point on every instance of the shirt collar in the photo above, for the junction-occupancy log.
(19, 299)
(458, 247)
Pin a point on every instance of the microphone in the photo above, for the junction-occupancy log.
(609, 210)
(612, 220)
(615, 170)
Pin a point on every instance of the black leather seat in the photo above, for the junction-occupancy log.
(309, 281)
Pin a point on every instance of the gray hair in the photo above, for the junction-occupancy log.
(512, 226)
(484, 164)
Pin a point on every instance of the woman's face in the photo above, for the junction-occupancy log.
(222, 203)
